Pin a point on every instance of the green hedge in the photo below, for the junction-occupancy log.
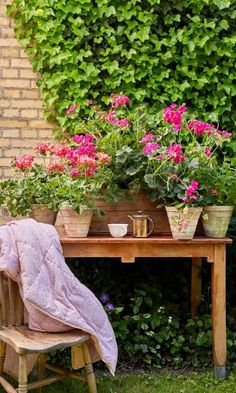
(156, 51)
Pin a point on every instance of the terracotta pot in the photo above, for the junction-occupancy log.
(75, 224)
(183, 222)
(59, 225)
(216, 219)
(42, 213)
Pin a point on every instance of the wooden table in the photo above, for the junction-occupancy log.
(129, 248)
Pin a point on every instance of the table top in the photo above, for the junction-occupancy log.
(104, 239)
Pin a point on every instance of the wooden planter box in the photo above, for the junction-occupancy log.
(118, 213)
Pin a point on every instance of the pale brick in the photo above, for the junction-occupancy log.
(7, 32)
(8, 172)
(4, 63)
(13, 123)
(33, 84)
(11, 152)
(10, 73)
(33, 104)
(34, 134)
(41, 124)
(4, 21)
(30, 113)
(10, 113)
(21, 63)
(23, 55)
(23, 143)
(41, 113)
(12, 93)
(5, 143)
(3, 9)
(28, 74)
(18, 83)
(45, 134)
(11, 133)
(10, 52)
(5, 162)
(4, 103)
(9, 42)
(31, 93)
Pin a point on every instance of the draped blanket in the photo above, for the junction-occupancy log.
(31, 254)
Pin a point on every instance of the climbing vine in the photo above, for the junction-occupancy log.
(155, 51)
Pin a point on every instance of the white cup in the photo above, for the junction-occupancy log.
(118, 230)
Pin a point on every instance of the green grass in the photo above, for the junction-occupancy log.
(151, 383)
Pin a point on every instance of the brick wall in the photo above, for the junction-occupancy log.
(21, 116)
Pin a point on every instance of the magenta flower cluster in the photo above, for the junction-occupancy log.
(173, 115)
(112, 118)
(119, 100)
(191, 192)
(76, 157)
(175, 153)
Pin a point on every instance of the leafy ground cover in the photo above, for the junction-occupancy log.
(152, 383)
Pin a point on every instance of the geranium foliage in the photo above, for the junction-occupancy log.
(156, 51)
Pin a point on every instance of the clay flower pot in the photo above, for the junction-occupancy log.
(75, 224)
(42, 213)
(216, 219)
(183, 222)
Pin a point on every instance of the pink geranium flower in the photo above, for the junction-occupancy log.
(150, 148)
(148, 137)
(103, 157)
(173, 115)
(191, 191)
(175, 153)
(44, 148)
(71, 109)
(123, 123)
(208, 153)
(119, 101)
(23, 162)
(198, 127)
(56, 167)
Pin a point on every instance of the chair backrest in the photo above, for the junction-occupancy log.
(12, 310)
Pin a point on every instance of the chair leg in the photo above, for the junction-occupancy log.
(42, 360)
(22, 388)
(89, 370)
(2, 356)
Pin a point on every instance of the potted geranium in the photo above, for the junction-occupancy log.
(78, 187)
(219, 198)
(70, 173)
(181, 157)
(29, 188)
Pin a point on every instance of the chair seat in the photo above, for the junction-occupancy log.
(25, 340)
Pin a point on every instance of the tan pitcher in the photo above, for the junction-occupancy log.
(141, 224)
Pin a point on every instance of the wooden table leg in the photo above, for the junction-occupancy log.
(196, 285)
(218, 280)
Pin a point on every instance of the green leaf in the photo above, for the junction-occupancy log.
(224, 24)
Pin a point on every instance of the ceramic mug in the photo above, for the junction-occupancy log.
(118, 230)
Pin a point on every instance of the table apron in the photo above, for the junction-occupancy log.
(129, 252)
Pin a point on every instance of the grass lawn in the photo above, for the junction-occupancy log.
(151, 383)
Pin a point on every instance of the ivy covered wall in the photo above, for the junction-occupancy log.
(156, 51)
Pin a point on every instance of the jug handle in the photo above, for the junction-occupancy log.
(153, 226)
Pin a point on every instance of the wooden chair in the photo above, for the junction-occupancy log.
(25, 341)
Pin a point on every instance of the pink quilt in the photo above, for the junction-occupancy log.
(31, 254)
